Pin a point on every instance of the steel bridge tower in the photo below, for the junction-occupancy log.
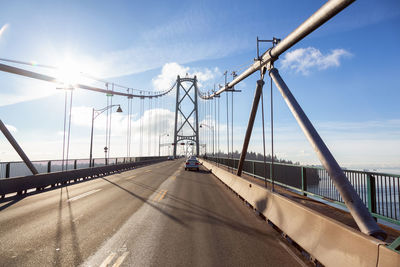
(190, 119)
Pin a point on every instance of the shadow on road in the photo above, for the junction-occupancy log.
(75, 241)
(199, 213)
(14, 200)
(148, 203)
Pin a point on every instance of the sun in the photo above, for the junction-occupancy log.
(68, 73)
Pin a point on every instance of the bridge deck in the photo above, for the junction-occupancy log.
(155, 215)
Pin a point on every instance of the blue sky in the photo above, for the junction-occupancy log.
(345, 74)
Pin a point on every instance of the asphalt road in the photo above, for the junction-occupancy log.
(158, 215)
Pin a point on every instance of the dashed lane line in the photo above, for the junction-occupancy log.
(160, 195)
(131, 177)
(108, 259)
(163, 195)
(157, 196)
(83, 195)
(121, 259)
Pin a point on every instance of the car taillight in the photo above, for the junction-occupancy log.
(187, 163)
(197, 163)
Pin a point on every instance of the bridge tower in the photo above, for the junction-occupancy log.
(186, 105)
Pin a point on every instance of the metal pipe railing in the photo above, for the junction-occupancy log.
(381, 198)
(326, 12)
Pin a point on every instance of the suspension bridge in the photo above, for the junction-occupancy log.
(143, 208)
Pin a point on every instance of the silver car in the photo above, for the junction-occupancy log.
(192, 164)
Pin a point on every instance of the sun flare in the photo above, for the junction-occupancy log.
(69, 74)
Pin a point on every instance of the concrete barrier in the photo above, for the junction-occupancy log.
(330, 242)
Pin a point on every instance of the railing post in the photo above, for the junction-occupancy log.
(304, 180)
(49, 166)
(8, 170)
(254, 167)
(75, 164)
(371, 191)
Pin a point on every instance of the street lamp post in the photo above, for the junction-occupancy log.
(94, 116)
(159, 141)
(212, 129)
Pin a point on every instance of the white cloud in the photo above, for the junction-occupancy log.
(23, 89)
(303, 60)
(3, 29)
(170, 71)
(168, 75)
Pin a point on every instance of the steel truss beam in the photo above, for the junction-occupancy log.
(178, 136)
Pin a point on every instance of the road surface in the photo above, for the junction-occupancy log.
(158, 215)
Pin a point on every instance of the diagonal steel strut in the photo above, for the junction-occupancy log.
(352, 200)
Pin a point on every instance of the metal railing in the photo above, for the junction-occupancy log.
(19, 168)
(380, 192)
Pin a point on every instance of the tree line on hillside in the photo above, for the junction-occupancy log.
(255, 156)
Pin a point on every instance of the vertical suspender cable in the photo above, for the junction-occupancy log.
(69, 127)
(65, 121)
(272, 138)
(215, 125)
(109, 130)
(218, 130)
(149, 129)
(227, 127)
(232, 131)
(107, 113)
(263, 135)
(127, 127)
(141, 127)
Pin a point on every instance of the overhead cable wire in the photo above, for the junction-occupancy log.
(23, 72)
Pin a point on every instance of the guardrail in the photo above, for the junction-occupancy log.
(41, 181)
(380, 192)
(19, 168)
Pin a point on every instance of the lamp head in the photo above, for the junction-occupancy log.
(119, 109)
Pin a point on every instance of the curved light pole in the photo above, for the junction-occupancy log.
(212, 129)
(95, 114)
(159, 141)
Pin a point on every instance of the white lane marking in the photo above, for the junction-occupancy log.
(108, 259)
(292, 254)
(131, 177)
(148, 171)
(120, 259)
(84, 195)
